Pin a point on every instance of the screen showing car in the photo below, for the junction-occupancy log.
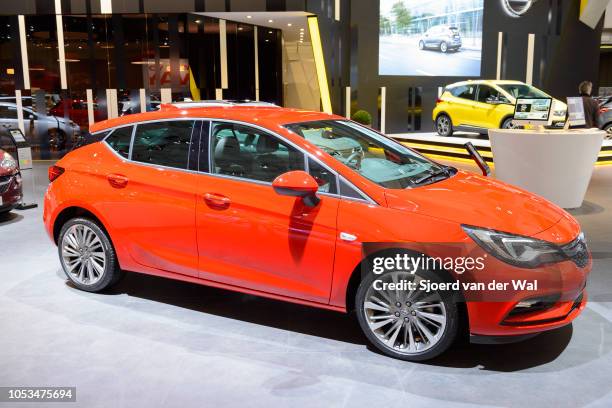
(430, 37)
(536, 109)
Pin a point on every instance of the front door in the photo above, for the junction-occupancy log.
(251, 237)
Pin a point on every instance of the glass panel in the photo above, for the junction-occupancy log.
(243, 151)
(370, 154)
(119, 140)
(163, 143)
(325, 178)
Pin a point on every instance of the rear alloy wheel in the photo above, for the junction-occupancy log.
(408, 325)
(443, 47)
(608, 129)
(87, 255)
(444, 126)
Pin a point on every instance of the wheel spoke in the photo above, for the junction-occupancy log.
(432, 317)
(374, 306)
(396, 329)
(378, 325)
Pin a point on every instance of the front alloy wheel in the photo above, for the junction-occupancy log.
(443, 47)
(409, 325)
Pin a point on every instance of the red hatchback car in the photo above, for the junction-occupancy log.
(281, 202)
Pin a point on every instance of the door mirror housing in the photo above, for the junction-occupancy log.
(297, 184)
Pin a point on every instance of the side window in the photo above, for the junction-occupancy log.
(163, 143)
(325, 178)
(242, 151)
(485, 92)
(7, 112)
(464, 91)
(347, 191)
(119, 140)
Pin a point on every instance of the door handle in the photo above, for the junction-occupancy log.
(117, 180)
(216, 200)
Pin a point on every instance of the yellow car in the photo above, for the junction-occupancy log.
(479, 105)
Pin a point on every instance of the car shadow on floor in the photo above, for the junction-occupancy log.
(321, 323)
(9, 218)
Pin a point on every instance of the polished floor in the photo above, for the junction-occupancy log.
(158, 343)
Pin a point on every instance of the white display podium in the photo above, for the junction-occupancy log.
(555, 164)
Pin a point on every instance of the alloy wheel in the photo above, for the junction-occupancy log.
(443, 124)
(443, 47)
(406, 322)
(83, 254)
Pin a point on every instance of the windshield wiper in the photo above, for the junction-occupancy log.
(443, 171)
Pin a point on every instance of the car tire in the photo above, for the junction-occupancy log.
(414, 328)
(87, 255)
(444, 47)
(444, 125)
(508, 124)
(608, 129)
(57, 139)
(421, 45)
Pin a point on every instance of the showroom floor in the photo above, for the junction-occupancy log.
(153, 342)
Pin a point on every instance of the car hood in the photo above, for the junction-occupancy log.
(467, 198)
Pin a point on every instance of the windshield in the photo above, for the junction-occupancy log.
(370, 154)
(523, 91)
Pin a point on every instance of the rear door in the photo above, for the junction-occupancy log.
(251, 237)
(462, 111)
(153, 209)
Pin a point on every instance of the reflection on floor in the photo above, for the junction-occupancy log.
(158, 343)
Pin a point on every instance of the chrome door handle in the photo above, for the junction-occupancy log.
(117, 180)
(217, 200)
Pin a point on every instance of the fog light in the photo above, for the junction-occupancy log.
(534, 304)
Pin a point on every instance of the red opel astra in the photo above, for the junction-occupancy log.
(281, 203)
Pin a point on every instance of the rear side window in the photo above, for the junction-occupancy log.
(163, 143)
(464, 91)
(120, 140)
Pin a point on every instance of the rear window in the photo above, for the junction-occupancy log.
(119, 140)
(464, 91)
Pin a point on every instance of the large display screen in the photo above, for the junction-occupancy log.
(430, 37)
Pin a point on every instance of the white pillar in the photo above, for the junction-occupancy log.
(223, 52)
(383, 113)
(500, 45)
(530, 51)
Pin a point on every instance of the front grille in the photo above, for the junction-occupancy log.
(5, 183)
(577, 251)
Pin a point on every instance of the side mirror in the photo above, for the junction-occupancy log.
(31, 117)
(297, 184)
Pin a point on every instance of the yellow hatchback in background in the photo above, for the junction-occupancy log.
(479, 105)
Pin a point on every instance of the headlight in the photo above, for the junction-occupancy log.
(7, 162)
(516, 250)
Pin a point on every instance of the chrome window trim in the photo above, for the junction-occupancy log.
(211, 121)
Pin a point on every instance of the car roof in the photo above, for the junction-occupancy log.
(485, 81)
(267, 116)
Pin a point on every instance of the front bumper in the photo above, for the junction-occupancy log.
(10, 191)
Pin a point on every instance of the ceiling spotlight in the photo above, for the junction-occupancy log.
(270, 21)
(289, 24)
(302, 29)
(270, 32)
(249, 16)
(198, 21)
